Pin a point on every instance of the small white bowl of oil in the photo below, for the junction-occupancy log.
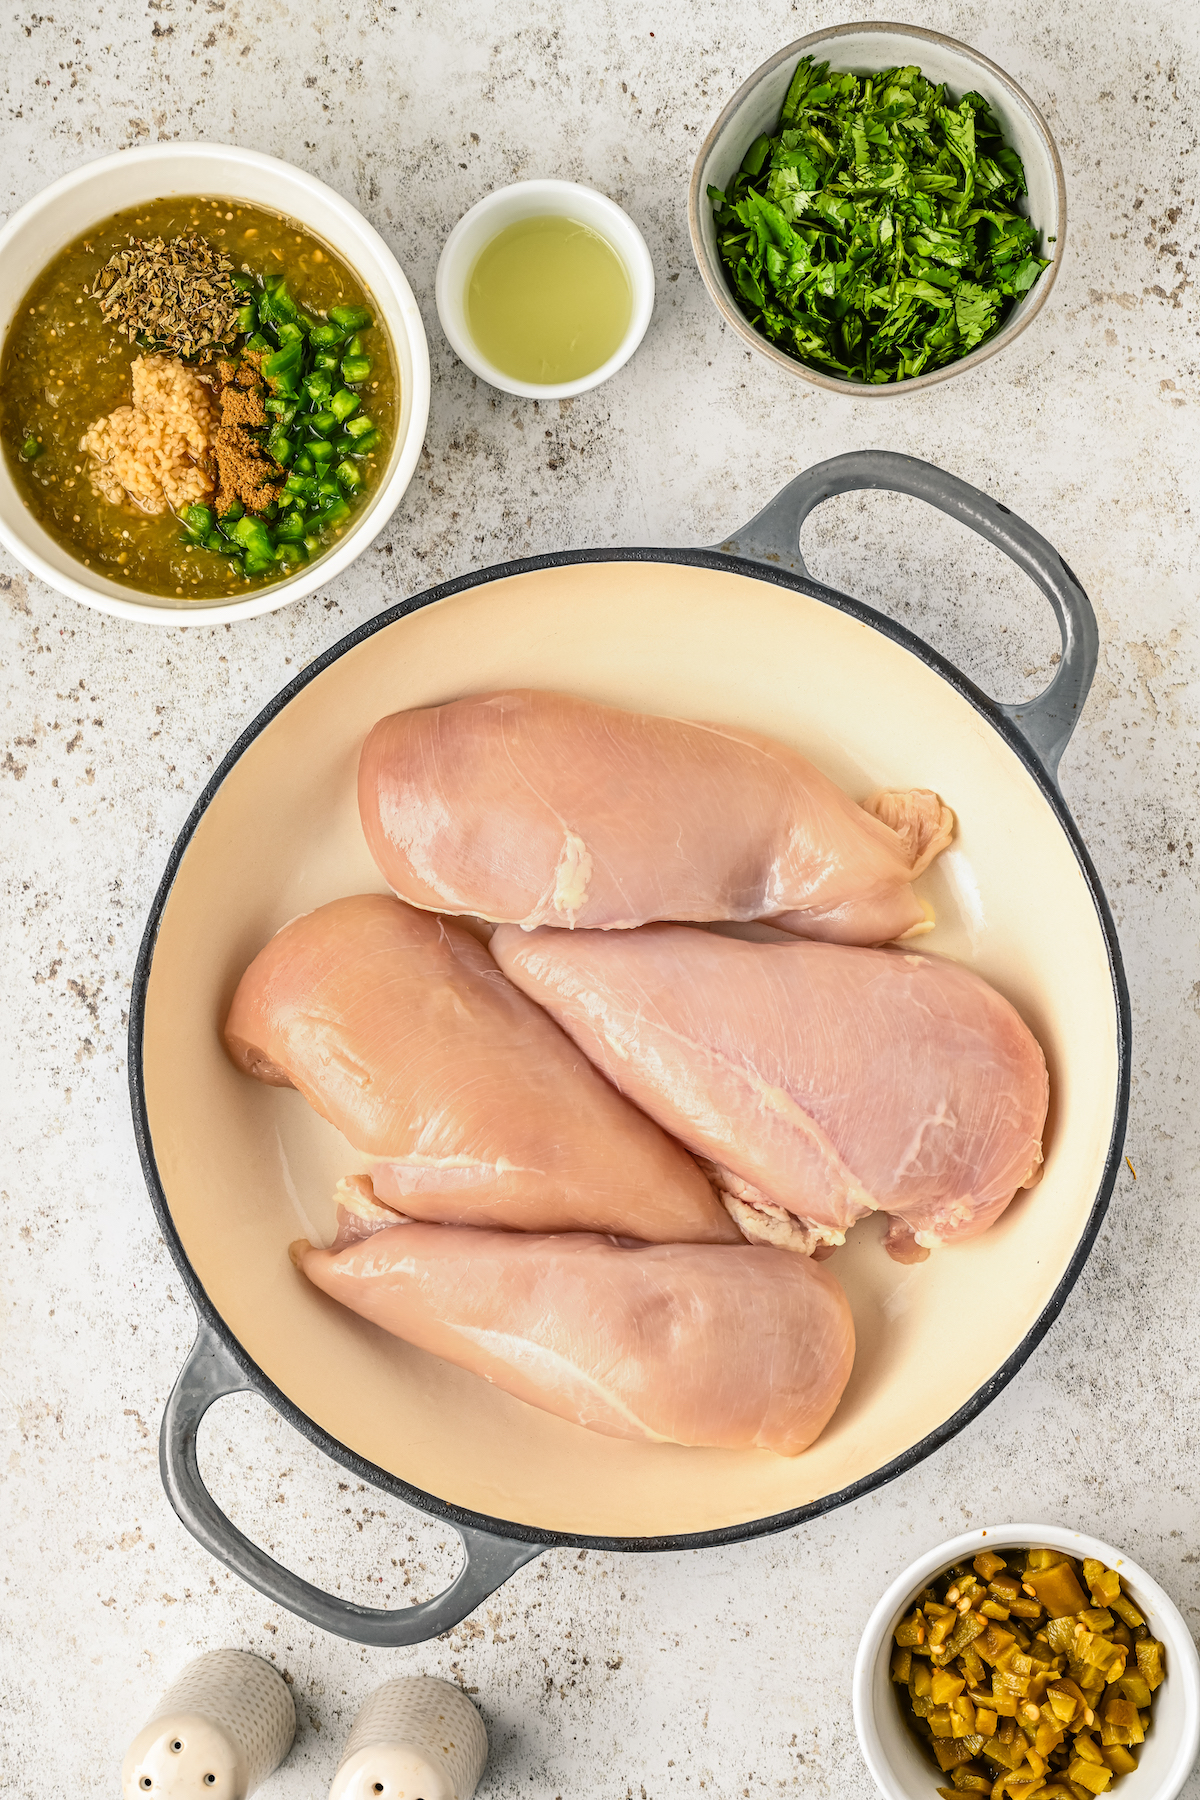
(545, 289)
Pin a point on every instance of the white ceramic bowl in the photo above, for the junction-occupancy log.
(901, 1769)
(863, 50)
(528, 200)
(68, 206)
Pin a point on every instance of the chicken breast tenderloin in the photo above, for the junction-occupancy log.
(674, 1343)
(544, 809)
(468, 1102)
(821, 1082)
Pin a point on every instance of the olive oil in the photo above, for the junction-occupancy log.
(548, 301)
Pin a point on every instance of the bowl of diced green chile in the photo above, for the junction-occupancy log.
(876, 236)
(1164, 1751)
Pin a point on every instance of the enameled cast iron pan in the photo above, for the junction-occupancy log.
(236, 1170)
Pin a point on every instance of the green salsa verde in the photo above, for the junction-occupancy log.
(308, 342)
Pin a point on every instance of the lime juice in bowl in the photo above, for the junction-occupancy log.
(545, 289)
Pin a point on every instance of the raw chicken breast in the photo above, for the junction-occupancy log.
(821, 1082)
(543, 809)
(469, 1103)
(677, 1343)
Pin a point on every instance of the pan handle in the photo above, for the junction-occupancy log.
(209, 1373)
(773, 536)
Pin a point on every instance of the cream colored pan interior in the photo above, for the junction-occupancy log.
(246, 1168)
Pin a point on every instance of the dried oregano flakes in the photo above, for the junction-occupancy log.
(179, 297)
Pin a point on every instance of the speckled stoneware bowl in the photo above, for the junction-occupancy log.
(863, 50)
(899, 1766)
(35, 234)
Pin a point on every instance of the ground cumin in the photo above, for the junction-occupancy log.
(245, 471)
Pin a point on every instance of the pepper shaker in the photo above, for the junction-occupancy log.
(416, 1738)
(220, 1729)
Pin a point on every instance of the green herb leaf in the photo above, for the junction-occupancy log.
(876, 234)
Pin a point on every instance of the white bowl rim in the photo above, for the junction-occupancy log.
(1183, 1662)
(715, 282)
(640, 268)
(360, 536)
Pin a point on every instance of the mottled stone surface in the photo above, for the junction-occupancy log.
(600, 1677)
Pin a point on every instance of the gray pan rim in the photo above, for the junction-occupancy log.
(431, 1504)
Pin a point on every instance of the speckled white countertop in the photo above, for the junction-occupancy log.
(600, 1677)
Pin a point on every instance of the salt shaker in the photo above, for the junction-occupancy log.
(416, 1738)
(220, 1729)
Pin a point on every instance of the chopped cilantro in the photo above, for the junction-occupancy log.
(876, 235)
